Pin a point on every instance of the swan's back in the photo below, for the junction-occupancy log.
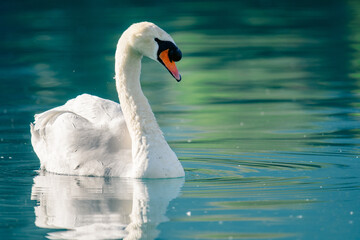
(86, 136)
(96, 110)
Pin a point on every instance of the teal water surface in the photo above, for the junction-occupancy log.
(265, 121)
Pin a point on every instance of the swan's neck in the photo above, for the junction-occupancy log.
(140, 120)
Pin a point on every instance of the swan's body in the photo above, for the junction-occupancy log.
(93, 136)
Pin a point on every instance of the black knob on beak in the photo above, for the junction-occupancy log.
(175, 54)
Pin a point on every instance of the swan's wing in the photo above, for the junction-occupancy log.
(91, 108)
(94, 109)
(81, 137)
(56, 135)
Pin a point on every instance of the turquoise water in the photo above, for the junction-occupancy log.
(265, 121)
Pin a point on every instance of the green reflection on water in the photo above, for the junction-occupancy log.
(267, 204)
(226, 218)
(217, 235)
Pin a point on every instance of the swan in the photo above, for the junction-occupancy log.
(92, 136)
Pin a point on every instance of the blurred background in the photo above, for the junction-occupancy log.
(265, 120)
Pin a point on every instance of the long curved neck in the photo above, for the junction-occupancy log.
(152, 157)
(138, 115)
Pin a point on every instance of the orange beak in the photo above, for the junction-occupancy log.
(170, 65)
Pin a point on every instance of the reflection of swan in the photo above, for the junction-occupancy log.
(93, 136)
(102, 208)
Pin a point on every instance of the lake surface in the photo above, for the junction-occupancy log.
(266, 120)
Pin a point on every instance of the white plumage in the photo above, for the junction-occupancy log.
(94, 136)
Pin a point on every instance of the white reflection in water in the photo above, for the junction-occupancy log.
(102, 208)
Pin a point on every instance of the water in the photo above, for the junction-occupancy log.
(265, 121)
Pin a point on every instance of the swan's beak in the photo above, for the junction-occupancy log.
(169, 64)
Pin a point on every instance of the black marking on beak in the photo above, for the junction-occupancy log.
(173, 54)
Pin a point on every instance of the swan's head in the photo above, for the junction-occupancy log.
(153, 42)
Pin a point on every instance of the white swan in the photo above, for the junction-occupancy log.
(97, 137)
